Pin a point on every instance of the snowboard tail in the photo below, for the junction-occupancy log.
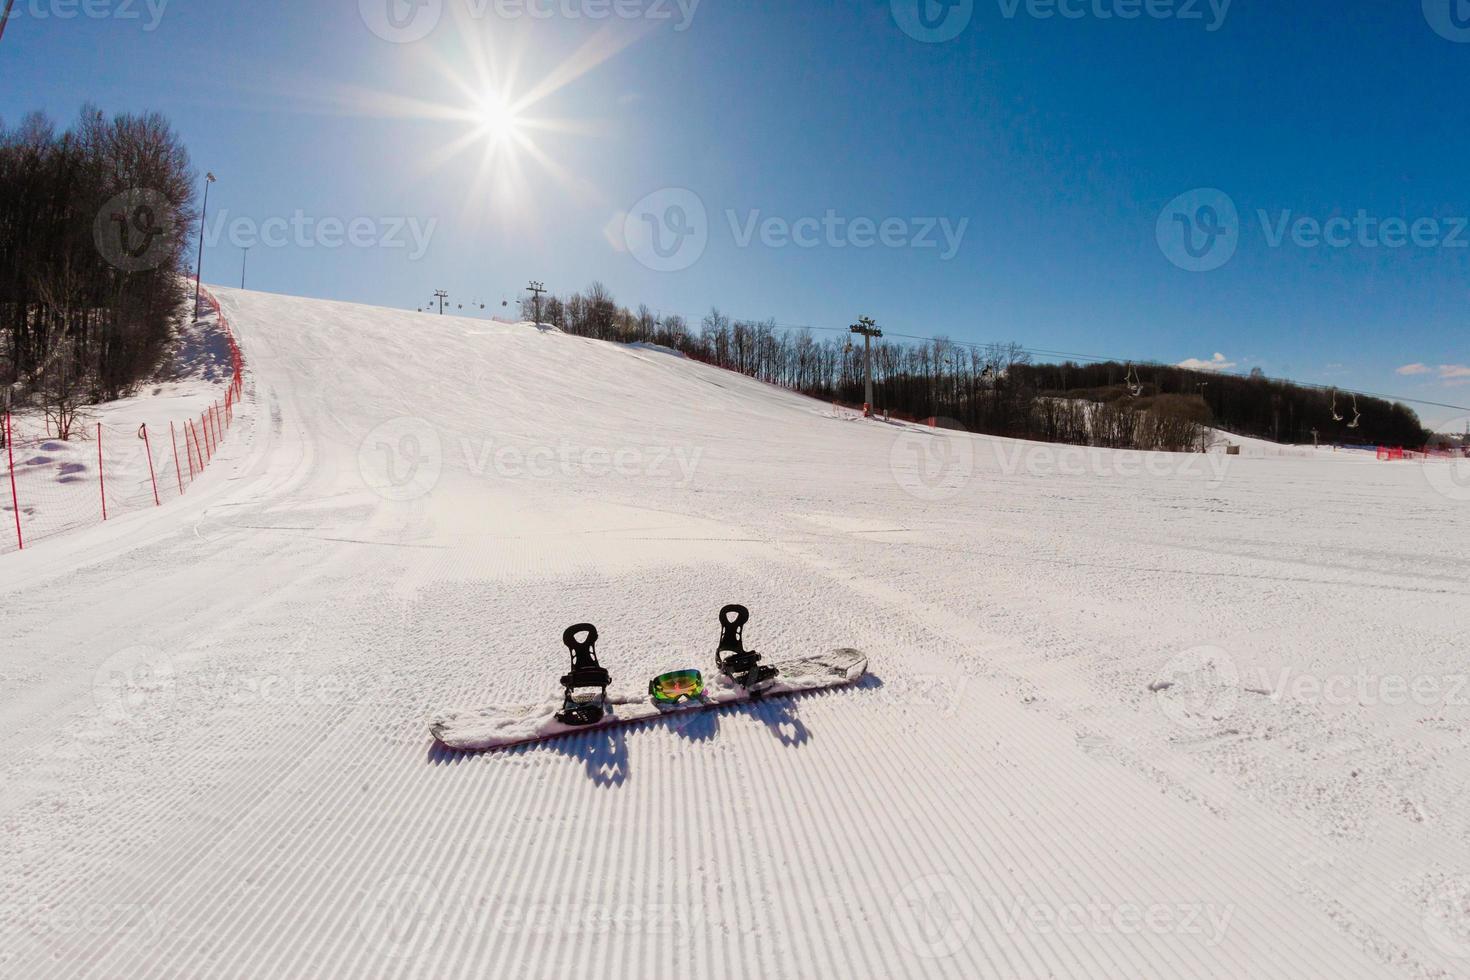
(508, 726)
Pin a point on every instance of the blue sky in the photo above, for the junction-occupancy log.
(1032, 177)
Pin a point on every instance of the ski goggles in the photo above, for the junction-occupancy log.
(676, 685)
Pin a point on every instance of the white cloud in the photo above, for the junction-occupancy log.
(1450, 374)
(1216, 363)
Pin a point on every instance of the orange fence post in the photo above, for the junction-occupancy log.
(14, 500)
(148, 448)
(101, 478)
(178, 470)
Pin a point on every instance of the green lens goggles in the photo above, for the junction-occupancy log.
(676, 685)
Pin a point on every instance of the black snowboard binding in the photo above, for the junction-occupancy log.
(585, 675)
(739, 664)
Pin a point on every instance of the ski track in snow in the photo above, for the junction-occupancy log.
(215, 763)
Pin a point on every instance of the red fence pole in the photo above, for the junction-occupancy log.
(14, 500)
(189, 447)
(178, 470)
(148, 447)
(208, 447)
(101, 479)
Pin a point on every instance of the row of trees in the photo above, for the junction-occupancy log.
(996, 389)
(1251, 405)
(93, 229)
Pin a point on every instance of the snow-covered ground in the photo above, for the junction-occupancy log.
(1129, 714)
(57, 482)
(1218, 440)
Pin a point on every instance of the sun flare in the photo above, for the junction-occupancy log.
(498, 119)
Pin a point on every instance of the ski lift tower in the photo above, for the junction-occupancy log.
(536, 289)
(867, 329)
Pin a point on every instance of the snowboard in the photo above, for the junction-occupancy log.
(509, 726)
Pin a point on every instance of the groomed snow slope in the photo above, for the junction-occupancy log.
(214, 759)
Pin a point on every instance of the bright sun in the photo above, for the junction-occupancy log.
(495, 118)
(498, 119)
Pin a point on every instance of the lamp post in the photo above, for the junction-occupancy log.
(199, 264)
